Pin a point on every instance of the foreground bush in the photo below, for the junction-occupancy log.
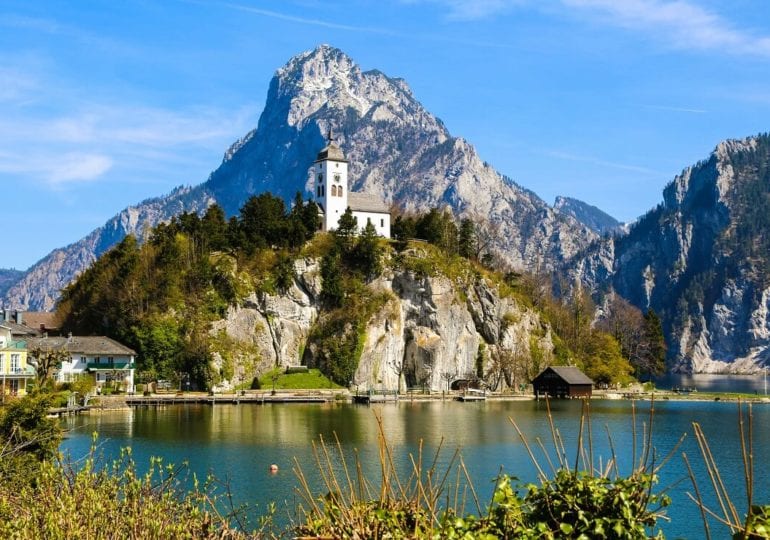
(113, 502)
(572, 502)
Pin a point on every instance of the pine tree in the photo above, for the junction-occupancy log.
(655, 362)
(347, 227)
(467, 241)
(368, 253)
(332, 291)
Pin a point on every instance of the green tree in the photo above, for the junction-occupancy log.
(214, 228)
(467, 239)
(345, 234)
(27, 438)
(404, 228)
(368, 252)
(332, 289)
(654, 361)
(263, 221)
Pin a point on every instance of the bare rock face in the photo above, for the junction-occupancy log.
(701, 260)
(397, 149)
(428, 334)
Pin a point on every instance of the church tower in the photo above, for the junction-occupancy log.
(330, 170)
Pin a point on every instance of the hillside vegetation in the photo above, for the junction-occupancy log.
(161, 295)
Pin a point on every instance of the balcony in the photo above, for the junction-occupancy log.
(110, 366)
(17, 372)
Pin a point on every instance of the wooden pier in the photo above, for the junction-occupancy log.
(234, 399)
(470, 394)
(376, 396)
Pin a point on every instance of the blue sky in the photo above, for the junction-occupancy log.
(104, 104)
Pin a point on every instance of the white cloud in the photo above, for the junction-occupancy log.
(602, 163)
(57, 170)
(78, 168)
(677, 109)
(681, 24)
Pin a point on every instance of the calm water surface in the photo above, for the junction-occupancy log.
(239, 442)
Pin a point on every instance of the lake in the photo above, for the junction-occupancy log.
(240, 442)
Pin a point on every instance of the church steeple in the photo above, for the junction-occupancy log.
(331, 151)
(330, 171)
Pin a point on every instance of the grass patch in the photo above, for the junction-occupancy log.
(312, 380)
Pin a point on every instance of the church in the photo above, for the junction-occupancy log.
(332, 194)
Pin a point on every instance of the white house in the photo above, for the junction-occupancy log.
(332, 194)
(99, 357)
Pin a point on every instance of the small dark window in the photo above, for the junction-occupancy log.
(382, 223)
(320, 177)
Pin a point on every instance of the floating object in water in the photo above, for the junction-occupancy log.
(273, 468)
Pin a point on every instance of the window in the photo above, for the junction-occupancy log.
(318, 191)
(339, 191)
(15, 358)
(334, 191)
(97, 360)
(2, 361)
(382, 223)
(82, 359)
(337, 178)
(320, 177)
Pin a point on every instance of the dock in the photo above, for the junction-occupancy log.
(234, 399)
(472, 395)
(376, 396)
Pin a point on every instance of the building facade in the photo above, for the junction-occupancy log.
(331, 192)
(15, 372)
(562, 382)
(100, 357)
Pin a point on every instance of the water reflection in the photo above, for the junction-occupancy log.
(240, 442)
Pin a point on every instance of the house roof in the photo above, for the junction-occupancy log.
(36, 319)
(88, 345)
(366, 202)
(20, 329)
(570, 375)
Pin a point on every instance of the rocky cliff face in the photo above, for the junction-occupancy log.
(597, 220)
(9, 277)
(702, 260)
(430, 330)
(397, 149)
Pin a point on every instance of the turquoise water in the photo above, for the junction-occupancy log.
(239, 442)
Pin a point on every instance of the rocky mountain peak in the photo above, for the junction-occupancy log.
(397, 150)
(597, 220)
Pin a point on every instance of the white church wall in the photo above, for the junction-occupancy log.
(381, 222)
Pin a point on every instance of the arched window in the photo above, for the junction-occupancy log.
(339, 191)
(320, 177)
(318, 191)
(334, 191)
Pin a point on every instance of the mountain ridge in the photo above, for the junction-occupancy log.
(700, 259)
(397, 150)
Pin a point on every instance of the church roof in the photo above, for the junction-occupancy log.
(331, 151)
(365, 202)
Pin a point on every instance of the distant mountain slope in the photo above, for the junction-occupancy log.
(598, 221)
(702, 260)
(397, 149)
(8, 277)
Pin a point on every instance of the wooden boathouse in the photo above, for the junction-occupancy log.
(562, 382)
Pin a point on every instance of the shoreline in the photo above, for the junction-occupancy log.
(127, 402)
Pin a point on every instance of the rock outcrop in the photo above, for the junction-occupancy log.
(428, 334)
(701, 259)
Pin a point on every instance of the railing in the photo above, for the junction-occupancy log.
(110, 365)
(18, 371)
